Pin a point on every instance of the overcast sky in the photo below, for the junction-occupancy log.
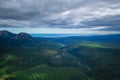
(61, 16)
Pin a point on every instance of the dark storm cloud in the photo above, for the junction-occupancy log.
(104, 21)
(15, 14)
(60, 13)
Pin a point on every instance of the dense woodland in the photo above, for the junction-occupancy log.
(23, 57)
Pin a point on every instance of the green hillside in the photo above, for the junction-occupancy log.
(48, 59)
(103, 61)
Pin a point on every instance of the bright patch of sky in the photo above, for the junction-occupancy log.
(80, 31)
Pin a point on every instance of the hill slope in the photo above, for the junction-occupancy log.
(23, 57)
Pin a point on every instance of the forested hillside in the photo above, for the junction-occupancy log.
(23, 57)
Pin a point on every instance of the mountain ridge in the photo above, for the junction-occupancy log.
(68, 58)
(4, 34)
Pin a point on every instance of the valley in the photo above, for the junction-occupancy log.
(24, 57)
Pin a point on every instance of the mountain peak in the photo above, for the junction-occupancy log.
(23, 36)
(9, 35)
(6, 34)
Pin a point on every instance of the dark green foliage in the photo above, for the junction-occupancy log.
(103, 62)
(59, 59)
(50, 73)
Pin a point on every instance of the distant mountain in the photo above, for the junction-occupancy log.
(109, 40)
(23, 39)
(23, 36)
(6, 34)
(9, 35)
(23, 57)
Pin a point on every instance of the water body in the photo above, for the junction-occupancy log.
(54, 35)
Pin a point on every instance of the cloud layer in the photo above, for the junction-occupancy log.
(66, 14)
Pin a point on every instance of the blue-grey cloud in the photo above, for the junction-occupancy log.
(60, 14)
(112, 22)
